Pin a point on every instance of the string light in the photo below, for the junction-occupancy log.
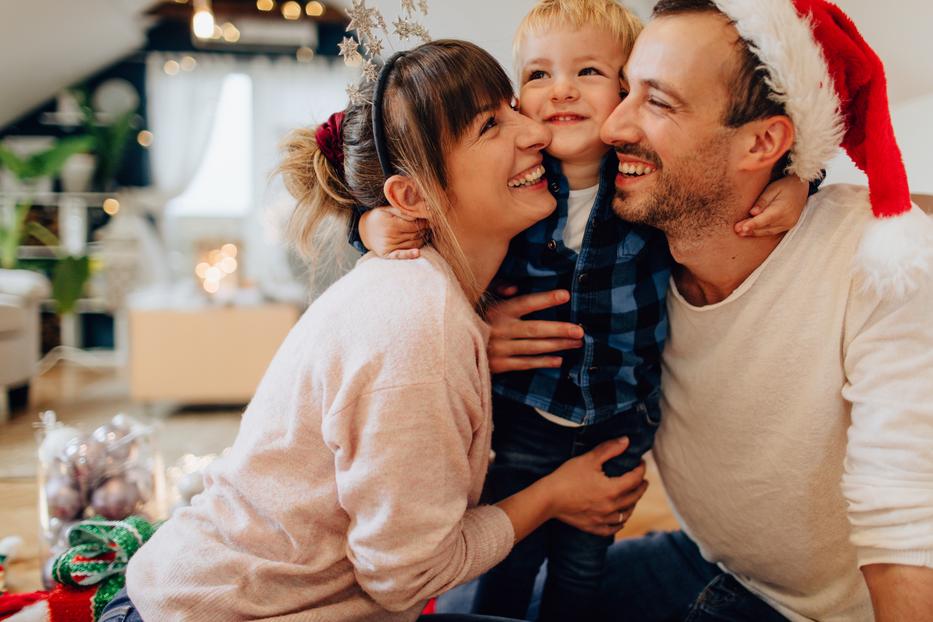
(291, 10)
(220, 263)
(188, 63)
(144, 138)
(265, 5)
(231, 33)
(202, 24)
(304, 54)
(170, 67)
(314, 9)
(111, 206)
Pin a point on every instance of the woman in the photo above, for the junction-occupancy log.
(352, 489)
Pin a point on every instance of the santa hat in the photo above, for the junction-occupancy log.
(833, 88)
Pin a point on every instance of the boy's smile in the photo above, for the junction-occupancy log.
(570, 82)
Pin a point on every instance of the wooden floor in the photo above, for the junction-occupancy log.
(86, 399)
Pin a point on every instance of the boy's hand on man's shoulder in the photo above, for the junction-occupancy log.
(777, 210)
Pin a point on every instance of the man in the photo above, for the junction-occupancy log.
(797, 436)
(796, 444)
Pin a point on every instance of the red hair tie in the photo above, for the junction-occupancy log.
(329, 137)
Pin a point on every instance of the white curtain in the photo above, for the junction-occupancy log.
(286, 95)
(181, 108)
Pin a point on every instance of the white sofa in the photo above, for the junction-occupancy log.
(21, 292)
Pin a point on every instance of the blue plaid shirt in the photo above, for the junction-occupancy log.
(617, 284)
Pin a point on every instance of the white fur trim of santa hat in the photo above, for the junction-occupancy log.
(895, 254)
(799, 76)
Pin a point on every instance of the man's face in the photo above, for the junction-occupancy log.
(675, 154)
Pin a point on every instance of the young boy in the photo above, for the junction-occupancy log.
(606, 382)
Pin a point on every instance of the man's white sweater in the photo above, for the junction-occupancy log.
(797, 440)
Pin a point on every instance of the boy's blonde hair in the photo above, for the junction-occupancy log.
(609, 15)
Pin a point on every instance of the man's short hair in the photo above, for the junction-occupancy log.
(606, 15)
(751, 97)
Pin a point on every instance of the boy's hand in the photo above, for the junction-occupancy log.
(390, 235)
(516, 344)
(776, 210)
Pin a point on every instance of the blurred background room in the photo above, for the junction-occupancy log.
(144, 286)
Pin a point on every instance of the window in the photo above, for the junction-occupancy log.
(223, 185)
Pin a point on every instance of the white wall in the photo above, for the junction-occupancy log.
(48, 46)
(899, 31)
(913, 127)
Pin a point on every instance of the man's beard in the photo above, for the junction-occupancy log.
(691, 197)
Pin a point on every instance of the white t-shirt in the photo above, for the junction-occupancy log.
(579, 207)
(796, 441)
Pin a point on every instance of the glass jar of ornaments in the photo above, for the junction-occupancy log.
(113, 471)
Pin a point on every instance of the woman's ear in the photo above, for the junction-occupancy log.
(768, 140)
(404, 196)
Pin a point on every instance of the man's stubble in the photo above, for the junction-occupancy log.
(692, 198)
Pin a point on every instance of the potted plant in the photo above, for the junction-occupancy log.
(48, 163)
(109, 137)
(71, 272)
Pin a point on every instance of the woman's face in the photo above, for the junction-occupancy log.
(496, 180)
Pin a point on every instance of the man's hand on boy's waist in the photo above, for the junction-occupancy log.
(516, 344)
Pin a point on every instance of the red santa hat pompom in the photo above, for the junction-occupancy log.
(833, 88)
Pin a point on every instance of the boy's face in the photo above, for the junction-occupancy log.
(570, 81)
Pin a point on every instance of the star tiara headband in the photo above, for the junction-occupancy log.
(372, 34)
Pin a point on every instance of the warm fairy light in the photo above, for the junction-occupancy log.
(170, 67)
(314, 9)
(188, 63)
(265, 5)
(217, 265)
(291, 10)
(217, 269)
(304, 54)
(203, 24)
(231, 33)
(144, 138)
(111, 206)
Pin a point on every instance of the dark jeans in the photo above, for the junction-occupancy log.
(658, 578)
(528, 447)
(121, 609)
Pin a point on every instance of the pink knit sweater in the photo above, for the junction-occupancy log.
(351, 491)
